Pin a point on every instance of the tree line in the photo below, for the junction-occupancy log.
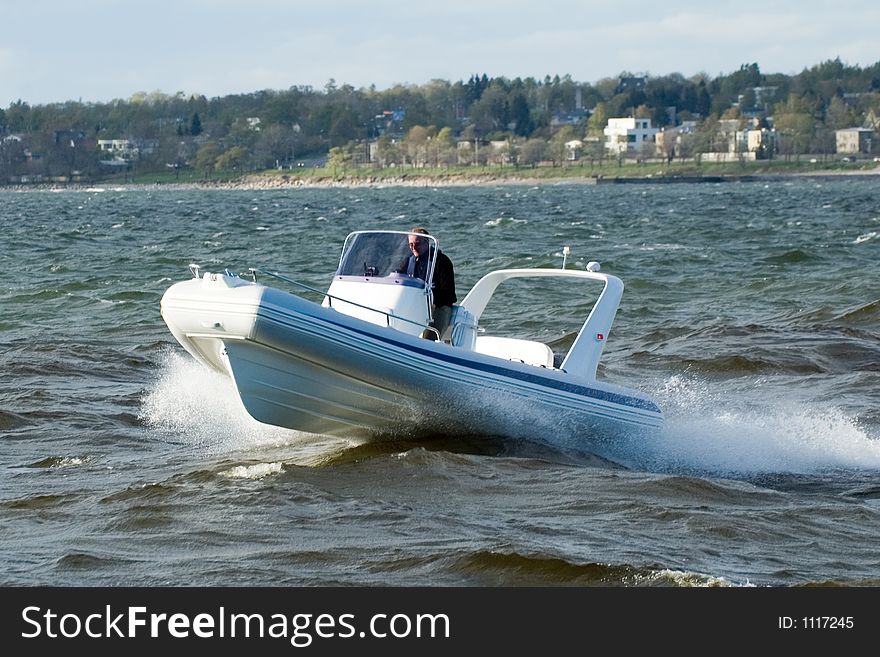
(412, 124)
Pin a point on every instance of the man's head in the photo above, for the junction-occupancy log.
(418, 245)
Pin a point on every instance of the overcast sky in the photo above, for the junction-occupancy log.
(99, 50)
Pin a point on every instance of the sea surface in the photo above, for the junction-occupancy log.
(751, 313)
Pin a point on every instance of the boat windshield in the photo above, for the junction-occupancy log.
(380, 254)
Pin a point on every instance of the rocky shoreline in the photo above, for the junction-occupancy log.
(277, 182)
(273, 181)
(259, 181)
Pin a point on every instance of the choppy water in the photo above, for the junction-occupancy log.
(751, 312)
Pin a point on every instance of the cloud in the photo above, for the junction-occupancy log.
(104, 49)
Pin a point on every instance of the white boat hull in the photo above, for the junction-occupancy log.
(302, 366)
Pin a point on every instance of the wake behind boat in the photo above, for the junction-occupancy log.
(357, 363)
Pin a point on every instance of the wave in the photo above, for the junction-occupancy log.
(143, 493)
(10, 420)
(710, 431)
(60, 462)
(738, 364)
(195, 406)
(504, 221)
(868, 310)
(795, 256)
(84, 561)
(869, 492)
(253, 471)
(496, 568)
(812, 343)
(47, 501)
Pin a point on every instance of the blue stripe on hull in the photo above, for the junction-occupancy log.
(604, 395)
(430, 361)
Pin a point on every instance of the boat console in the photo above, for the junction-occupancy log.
(372, 283)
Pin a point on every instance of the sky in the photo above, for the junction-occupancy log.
(101, 50)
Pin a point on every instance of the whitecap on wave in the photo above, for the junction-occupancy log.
(709, 432)
(256, 471)
(504, 221)
(681, 578)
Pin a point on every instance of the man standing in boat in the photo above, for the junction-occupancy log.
(443, 283)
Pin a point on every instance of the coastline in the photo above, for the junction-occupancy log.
(273, 181)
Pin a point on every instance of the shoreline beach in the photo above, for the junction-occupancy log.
(272, 181)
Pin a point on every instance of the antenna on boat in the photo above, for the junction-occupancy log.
(565, 251)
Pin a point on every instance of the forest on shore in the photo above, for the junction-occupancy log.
(421, 125)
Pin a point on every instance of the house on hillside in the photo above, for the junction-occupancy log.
(127, 149)
(573, 149)
(628, 136)
(756, 99)
(579, 115)
(632, 83)
(735, 142)
(763, 142)
(670, 142)
(569, 118)
(71, 137)
(123, 149)
(854, 140)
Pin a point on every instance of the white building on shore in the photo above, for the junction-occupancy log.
(124, 149)
(624, 136)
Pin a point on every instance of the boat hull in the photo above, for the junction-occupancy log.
(302, 366)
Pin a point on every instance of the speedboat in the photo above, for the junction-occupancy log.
(355, 362)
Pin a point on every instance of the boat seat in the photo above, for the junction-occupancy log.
(527, 351)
